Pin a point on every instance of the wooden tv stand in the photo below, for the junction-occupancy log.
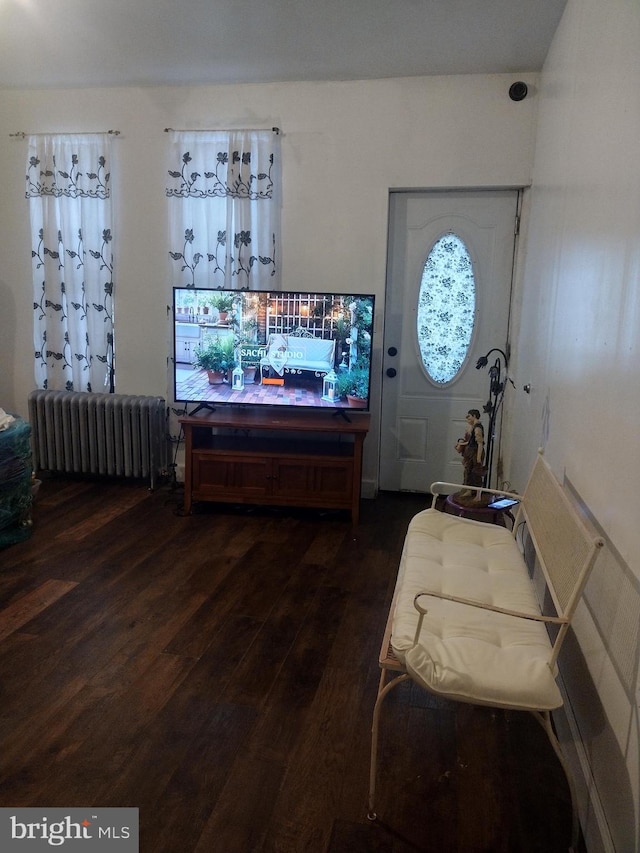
(292, 457)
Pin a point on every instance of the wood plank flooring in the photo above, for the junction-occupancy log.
(219, 672)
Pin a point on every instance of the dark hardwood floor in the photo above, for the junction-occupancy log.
(219, 672)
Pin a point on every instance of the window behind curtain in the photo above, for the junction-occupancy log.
(224, 208)
(68, 187)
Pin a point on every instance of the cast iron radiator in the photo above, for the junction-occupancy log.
(109, 434)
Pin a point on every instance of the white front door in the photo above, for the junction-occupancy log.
(422, 416)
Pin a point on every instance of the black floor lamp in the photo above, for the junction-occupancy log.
(493, 404)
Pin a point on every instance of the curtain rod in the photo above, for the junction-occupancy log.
(22, 135)
(275, 130)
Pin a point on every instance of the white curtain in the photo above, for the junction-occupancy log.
(68, 187)
(224, 208)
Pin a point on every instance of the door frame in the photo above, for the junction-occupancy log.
(520, 190)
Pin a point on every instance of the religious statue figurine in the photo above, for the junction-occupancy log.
(472, 449)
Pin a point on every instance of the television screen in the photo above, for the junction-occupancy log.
(272, 348)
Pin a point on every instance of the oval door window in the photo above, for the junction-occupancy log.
(446, 308)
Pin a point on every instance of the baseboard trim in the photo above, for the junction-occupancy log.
(368, 489)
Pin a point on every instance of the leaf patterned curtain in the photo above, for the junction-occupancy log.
(68, 187)
(224, 208)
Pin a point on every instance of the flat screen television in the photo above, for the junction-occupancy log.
(300, 348)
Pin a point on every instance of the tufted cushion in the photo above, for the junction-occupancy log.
(310, 353)
(465, 652)
(297, 353)
(277, 353)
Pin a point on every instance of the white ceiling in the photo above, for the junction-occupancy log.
(69, 43)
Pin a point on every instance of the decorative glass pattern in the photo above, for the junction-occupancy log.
(446, 308)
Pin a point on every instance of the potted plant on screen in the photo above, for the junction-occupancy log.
(354, 385)
(216, 355)
(223, 303)
(249, 350)
(250, 354)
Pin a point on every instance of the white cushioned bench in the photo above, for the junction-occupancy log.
(465, 621)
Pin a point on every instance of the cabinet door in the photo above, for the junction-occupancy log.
(190, 350)
(312, 481)
(182, 356)
(225, 476)
(186, 350)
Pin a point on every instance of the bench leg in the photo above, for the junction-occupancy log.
(544, 718)
(383, 690)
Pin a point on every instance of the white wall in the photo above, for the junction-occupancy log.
(578, 344)
(344, 146)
